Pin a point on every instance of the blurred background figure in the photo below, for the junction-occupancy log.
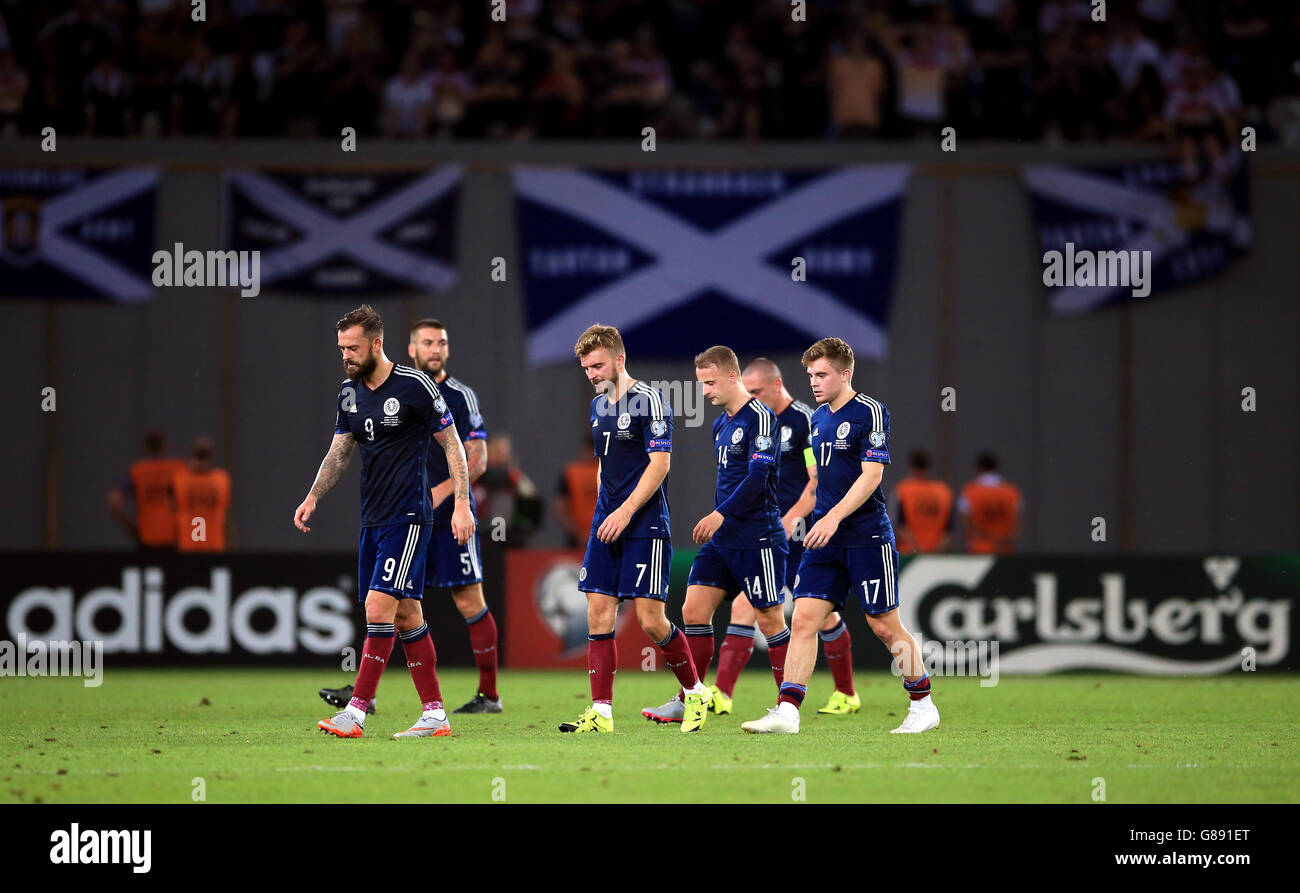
(504, 491)
(149, 484)
(991, 509)
(575, 497)
(923, 515)
(202, 493)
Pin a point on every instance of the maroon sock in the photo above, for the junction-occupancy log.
(776, 648)
(422, 661)
(602, 663)
(483, 639)
(732, 657)
(374, 657)
(839, 656)
(677, 654)
(699, 638)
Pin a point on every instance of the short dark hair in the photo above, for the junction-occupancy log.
(372, 325)
(986, 461)
(202, 449)
(920, 460)
(427, 323)
(155, 442)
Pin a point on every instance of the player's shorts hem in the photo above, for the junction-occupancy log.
(662, 597)
(388, 590)
(598, 592)
(450, 584)
(825, 598)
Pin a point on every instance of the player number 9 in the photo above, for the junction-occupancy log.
(390, 565)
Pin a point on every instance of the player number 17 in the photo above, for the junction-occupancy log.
(825, 453)
(871, 593)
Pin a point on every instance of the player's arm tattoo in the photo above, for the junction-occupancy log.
(476, 458)
(455, 451)
(334, 464)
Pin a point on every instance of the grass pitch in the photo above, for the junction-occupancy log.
(159, 736)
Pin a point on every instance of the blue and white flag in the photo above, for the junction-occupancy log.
(77, 233)
(347, 232)
(680, 260)
(1194, 226)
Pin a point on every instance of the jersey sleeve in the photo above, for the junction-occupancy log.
(440, 417)
(763, 444)
(657, 428)
(875, 442)
(477, 430)
(347, 397)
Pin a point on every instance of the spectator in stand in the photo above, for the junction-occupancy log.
(450, 89)
(496, 106)
(1136, 61)
(560, 98)
(108, 97)
(991, 510)
(1200, 115)
(353, 96)
(407, 100)
(299, 65)
(1249, 49)
(1003, 54)
(856, 83)
(924, 514)
(202, 494)
(504, 491)
(14, 84)
(149, 483)
(73, 43)
(202, 93)
(575, 497)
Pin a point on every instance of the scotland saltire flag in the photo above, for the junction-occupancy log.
(680, 260)
(1193, 225)
(78, 233)
(347, 232)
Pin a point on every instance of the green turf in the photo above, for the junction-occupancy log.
(145, 736)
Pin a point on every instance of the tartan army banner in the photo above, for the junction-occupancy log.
(346, 233)
(78, 232)
(760, 260)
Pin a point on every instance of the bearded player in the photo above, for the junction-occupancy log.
(390, 411)
(450, 564)
(629, 553)
(849, 552)
(796, 493)
(742, 543)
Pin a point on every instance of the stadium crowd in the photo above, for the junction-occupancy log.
(695, 69)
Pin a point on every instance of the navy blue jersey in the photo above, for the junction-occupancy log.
(841, 442)
(743, 443)
(462, 403)
(624, 436)
(393, 425)
(796, 431)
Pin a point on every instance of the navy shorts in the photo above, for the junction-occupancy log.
(449, 563)
(759, 573)
(833, 573)
(391, 559)
(627, 568)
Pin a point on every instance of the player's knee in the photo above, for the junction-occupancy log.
(771, 622)
(803, 626)
(469, 601)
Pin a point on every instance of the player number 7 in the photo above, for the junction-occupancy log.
(871, 594)
(640, 573)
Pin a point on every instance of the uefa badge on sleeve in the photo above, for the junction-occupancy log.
(658, 427)
(877, 438)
